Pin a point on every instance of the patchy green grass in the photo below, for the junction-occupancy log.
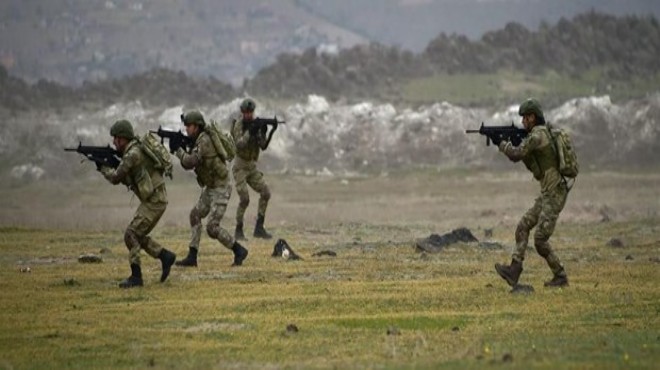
(507, 87)
(447, 310)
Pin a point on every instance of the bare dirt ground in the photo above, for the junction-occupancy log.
(377, 304)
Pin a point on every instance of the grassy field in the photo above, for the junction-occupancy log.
(377, 304)
(508, 86)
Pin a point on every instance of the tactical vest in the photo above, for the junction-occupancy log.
(542, 158)
(211, 171)
(251, 151)
(143, 177)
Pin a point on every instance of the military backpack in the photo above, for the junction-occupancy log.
(222, 142)
(567, 157)
(156, 151)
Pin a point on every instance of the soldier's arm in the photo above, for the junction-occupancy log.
(517, 153)
(189, 161)
(120, 174)
(241, 138)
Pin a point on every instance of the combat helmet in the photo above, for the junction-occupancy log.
(122, 128)
(193, 117)
(248, 105)
(531, 105)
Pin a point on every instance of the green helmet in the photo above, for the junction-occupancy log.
(531, 105)
(122, 128)
(193, 116)
(248, 105)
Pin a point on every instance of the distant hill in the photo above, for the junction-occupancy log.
(617, 48)
(72, 41)
(592, 53)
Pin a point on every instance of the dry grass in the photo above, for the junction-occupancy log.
(450, 309)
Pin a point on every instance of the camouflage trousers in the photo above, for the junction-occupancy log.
(246, 173)
(146, 217)
(212, 203)
(543, 215)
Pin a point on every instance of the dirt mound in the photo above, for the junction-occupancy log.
(435, 243)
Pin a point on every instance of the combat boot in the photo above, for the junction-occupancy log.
(240, 253)
(135, 279)
(190, 260)
(167, 259)
(238, 233)
(259, 231)
(510, 273)
(557, 281)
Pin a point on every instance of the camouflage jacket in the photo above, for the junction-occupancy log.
(538, 154)
(211, 171)
(137, 172)
(247, 146)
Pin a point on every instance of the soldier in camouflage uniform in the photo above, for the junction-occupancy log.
(538, 153)
(137, 171)
(213, 177)
(248, 145)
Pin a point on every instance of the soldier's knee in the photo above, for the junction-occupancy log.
(542, 247)
(244, 202)
(265, 193)
(131, 239)
(195, 217)
(213, 230)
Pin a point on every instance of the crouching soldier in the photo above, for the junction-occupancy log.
(138, 172)
(213, 177)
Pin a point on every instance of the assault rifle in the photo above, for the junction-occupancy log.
(177, 139)
(497, 134)
(101, 155)
(260, 123)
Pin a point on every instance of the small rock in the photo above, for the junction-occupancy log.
(629, 257)
(25, 269)
(291, 328)
(507, 357)
(89, 258)
(615, 243)
(654, 259)
(393, 330)
(455, 328)
(522, 289)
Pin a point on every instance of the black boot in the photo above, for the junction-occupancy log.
(167, 259)
(557, 281)
(240, 253)
(238, 233)
(510, 273)
(135, 279)
(190, 260)
(259, 231)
